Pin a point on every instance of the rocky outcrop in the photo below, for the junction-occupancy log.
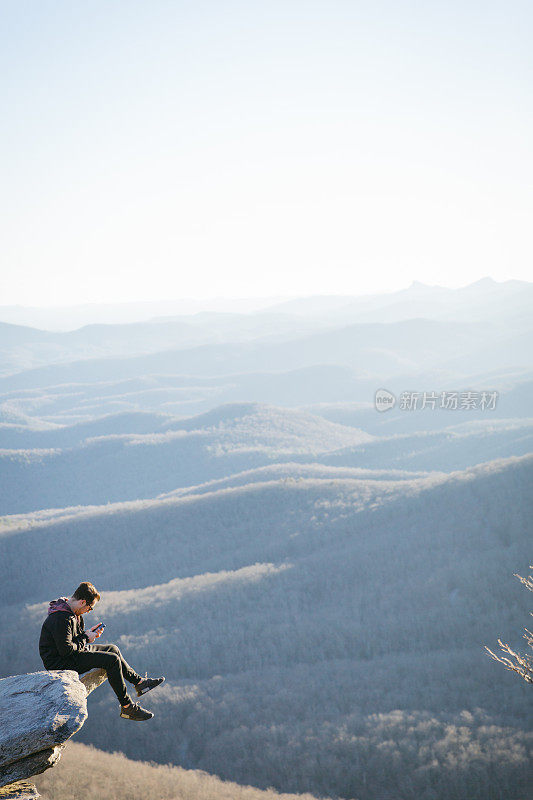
(39, 712)
(22, 790)
(93, 679)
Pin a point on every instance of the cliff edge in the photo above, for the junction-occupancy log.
(39, 712)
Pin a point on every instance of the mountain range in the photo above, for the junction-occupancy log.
(316, 578)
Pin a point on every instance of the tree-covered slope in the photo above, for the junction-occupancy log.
(181, 453)
(304, 626)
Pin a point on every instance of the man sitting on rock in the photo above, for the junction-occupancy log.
(64, 644)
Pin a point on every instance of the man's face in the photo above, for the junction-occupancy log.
(84, 606)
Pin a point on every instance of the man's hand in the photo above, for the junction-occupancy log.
(94, 633)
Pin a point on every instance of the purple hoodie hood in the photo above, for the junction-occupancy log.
(60, 604)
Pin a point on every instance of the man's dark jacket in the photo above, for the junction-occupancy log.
(62, 635)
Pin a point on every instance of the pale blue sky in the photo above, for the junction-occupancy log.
(167, 149)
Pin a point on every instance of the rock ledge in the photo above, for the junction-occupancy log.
(40, 711)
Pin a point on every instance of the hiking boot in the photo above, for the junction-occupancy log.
(146, 684)
(135, 712)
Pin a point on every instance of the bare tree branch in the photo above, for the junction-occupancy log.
(521, 664)
(528, 582)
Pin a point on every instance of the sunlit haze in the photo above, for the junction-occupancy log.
(232, 149)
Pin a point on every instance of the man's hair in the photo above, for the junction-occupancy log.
(86, 591)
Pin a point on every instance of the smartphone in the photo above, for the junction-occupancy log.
(100, 627)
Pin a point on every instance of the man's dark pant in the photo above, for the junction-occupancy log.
(108, 657)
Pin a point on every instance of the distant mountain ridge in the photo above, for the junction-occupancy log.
(180, 453)
(485, 299)
(501, 307)
(33, 347)
(172, 454)
(372, 348)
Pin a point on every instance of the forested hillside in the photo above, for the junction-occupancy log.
(164, 453)
(114, 467)
(351, 634)
(90, 774)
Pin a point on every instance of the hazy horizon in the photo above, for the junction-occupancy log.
(271, 298)
(63, 318)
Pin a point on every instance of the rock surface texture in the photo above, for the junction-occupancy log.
(39, 711)
(93, 679)
(22, 790)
